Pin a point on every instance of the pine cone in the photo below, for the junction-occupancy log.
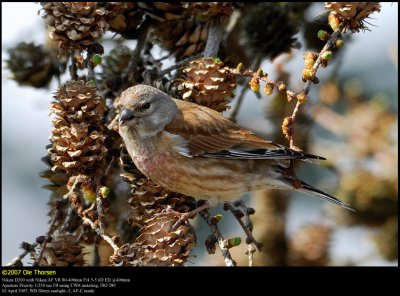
(116, 62)
(268, 30)
(163, 11)
(209, 9)
(57, 178)
(149, 199)
(123, 17)
(352, 14)
(183, 38)
(159, 246)
(309, 247)
(31, 65)
(78, 138)
(208, 83)
(75, 25)
(126, 256)
(114, 66)
(63, 250)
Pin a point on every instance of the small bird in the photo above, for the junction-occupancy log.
(196, 151)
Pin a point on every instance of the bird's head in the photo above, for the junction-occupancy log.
(145, 110)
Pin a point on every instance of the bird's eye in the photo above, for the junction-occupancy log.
(146, 106)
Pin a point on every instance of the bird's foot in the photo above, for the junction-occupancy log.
(183, 217)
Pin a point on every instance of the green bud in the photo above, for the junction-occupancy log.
(240, 67)
(333, 21)
(339, 43)
(234, 242)
(217, 60)
(327, 55)
(254, 84)
(96, 59)
(104, 191)
(323, 35)
(217, 218)
(268, 89)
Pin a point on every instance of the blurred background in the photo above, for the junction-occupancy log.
(351, 119)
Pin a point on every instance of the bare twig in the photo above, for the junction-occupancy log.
(222, 243)
(236, 108)
(293, 119)
(99, 229)
(96, 255)
(68, 221)
(247, 226)
(328, 46)
(100, 233)
(177, 65)
(254, 65)
(250, 253)
(100, 210)
(133, 74)
(214, 37)
(113, 123)
(55, 218)
(73, 71)
(17, 261)
(90, 67)
(306, 89)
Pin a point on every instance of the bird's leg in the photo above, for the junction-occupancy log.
(290, 172)
(183, 217)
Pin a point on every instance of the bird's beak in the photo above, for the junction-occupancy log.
(125, 116)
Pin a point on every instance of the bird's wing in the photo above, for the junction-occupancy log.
(208, 133)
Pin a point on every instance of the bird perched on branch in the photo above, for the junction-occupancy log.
(196, 151)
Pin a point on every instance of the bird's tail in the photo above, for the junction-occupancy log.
(323, 195)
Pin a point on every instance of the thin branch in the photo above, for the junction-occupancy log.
(222, 243)
(55, 218)
(90, 67)
(236, 108)
(96, 255)
(17, 261)
(247, 226)
(99, 229)
(133, 74)
(293, 119)
(328, 46)
(214, 39)
(100, 210)
(250, 253)
(113, 123)
(73, 71)
(177, 65)
(100, 233)
(306, 89)
(68, 220)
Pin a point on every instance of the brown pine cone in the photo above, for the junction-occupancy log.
(75, 25)
(207, 82)
(78, 138)
(352, 14)
(63, 250)
(31, 65)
